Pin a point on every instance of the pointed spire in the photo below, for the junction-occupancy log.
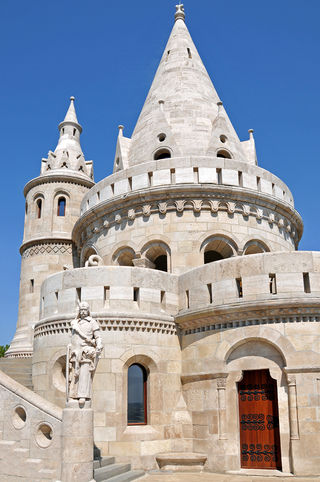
(68, 154)
(188, 100)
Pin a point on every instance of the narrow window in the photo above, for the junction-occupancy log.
(272, 188)
(219, 175)
(74, 132)
(106, 296)
(189, 53)
(209, 286)
(137, 395)
(258, 183)
(172, 176)
(272, 284)
(240, 178)
(26, 208)
(239, 287)
(112, 188)
(168, 53)
(187, 299)
(31, 286)
(98, 196)
(39, 208)
(136, 294)
(57, 295)
(196, 175)
(61, 206)
(306, 283)
(163, 298)
(78, 294)
(150, 174)
(130, 183)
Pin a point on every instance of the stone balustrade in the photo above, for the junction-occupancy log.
(179, 171)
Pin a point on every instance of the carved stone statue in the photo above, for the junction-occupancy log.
(83, 355)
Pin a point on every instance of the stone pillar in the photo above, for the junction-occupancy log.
(77, 445)
(293, 412)
(221, 387)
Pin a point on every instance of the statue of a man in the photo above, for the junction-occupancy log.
(83, 354)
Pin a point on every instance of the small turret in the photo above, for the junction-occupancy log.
(52, 208)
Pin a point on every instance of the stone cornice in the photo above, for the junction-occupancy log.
(176, 197)
(246, 313)
(69, 178)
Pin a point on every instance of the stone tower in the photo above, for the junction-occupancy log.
(52, 207)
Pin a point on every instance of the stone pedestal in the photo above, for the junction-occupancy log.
(77, 445)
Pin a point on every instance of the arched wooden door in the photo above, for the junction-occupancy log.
(259, 421)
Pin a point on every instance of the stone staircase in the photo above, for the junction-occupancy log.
(20, 369)
(105, 469)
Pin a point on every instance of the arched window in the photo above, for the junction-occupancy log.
(211, 255)
(61, 206)
(161, 263)
(137, 395)
(158, 253)
(218, 247)
(224, 153)
(39, 208)
(162, 154)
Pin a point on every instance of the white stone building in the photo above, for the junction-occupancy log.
(187, 255)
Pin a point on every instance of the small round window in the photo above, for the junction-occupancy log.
(161, 137)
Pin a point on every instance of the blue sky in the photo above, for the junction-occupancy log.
(263, 58)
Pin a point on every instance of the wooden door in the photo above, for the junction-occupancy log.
(259, 421)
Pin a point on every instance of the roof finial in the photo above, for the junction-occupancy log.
(179, 12)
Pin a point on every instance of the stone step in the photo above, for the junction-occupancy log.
(127, 476)
(103, 462)
(105, 473)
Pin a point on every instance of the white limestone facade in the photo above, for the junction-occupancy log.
(188, 257)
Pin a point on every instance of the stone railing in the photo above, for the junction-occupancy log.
(30, 434)
(179, 171)
(239, 289)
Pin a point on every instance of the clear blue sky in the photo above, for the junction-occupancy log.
(263, 58)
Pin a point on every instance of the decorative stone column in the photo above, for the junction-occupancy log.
(293, 412)
(221, 387)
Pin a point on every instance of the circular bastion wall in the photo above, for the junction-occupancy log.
(183, 207)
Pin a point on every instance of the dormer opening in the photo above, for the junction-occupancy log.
(224, 153)
(162, 154)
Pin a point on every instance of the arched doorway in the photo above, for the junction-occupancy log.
(259, 421)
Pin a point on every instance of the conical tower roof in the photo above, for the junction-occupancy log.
(68, 155)
(188, 103)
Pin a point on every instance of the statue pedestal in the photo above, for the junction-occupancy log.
(77, 445)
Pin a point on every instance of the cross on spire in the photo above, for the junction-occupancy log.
(179, 12)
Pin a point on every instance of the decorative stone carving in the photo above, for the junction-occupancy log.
(271, 218)
(146, 210)
(162, 207)
(117, 218)
(82, 356)
(259, 214)
(180, 205)
(280, 223)
(94, 260)
(106, 224)
(246, 210)
(197, 204)
(131, 214)
(214, 205)
(47, 248)
(231, 207)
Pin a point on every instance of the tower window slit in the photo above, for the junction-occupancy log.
(31, 285)
(106, 296)
(39, 208)
(150, 175)
(187, 299)
(272, 284)
(239, 287)
(78, 290)
(61, 206)
(219, 175)
(240, 179)
(189, 53)
(136, 295)
(306, 283)
(210, 292)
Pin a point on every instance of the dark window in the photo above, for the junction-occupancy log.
(211, 255)
(137, 395)
(39, 208)
(61, 206)
(162, 154)
(223, 153)
(161, 263)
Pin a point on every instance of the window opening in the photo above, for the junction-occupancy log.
(219, 175)
(211, 255)
(31, 285)
(239, 287)
(61, 206)
(272, 284)
(136, 294)
(187, 299)
(306, 283)
(223, 153)
(39, 208)
(106, 296)
(258, 183)
(162, 154)
(137, 395)
(240, 179)
(189, 53)
(210, 292)
(78, 294)
(163, 298)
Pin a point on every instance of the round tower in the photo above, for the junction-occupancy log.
(52, 207)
